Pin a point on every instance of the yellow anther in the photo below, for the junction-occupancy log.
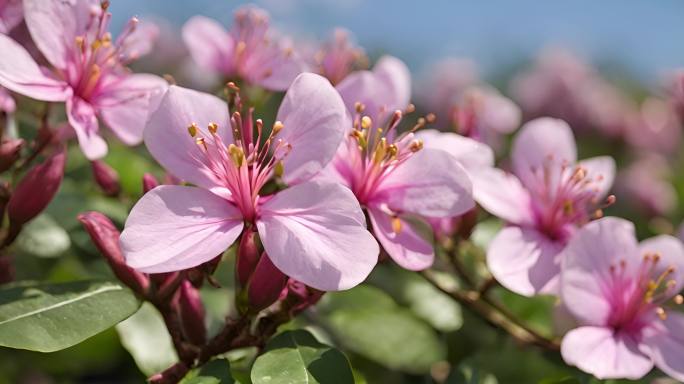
(96, 44)
(366, 122)
(200, 141)
(679, 299)
(396, 224)
(380, 151)
(568, 208)
(416, 145)
(237, 154)
(240, 48)
(213, 127)
(279, 169)
(79, 41)
(661, 313)
(392, 150)
(360, 137)
(192, 129)
(277, 127)
(359, 107)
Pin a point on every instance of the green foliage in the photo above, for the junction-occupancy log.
(48, 317)
(295, 357)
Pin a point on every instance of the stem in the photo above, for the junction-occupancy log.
(494, 315)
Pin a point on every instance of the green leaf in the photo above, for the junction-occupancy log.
(145, 337)
(295, 357)
(368, 322)
(215, 372)
(43, 237)
(424, 300)
(48, 317)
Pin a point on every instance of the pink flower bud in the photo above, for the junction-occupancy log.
(297, 296)
(36, 189)
(149, 182)
(106, 237)
(247, 256)
(191, 312)
(9, 152)
(106, 177)
(265, 284)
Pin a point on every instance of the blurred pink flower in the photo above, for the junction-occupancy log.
(339, 56)
(250, 50)
(674, 86)
(484, 115)
(11, 14)
(443, 84)
(88, 70)
(564, 86)
(543, 203)
(312, 231)
(656, 127)
(392, 175)
(644, 184)
(619, 291)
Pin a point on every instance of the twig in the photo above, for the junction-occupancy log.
(494, 316)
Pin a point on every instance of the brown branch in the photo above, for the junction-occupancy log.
(494, 316)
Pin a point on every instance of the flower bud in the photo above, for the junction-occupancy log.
(191, 312)
(149, 182)
(9, 152)
(106, 237)
(106, 177)
(35, 190)
(265, 284)
(297, 296)
(247, 256)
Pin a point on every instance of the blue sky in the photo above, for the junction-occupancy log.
(643, 36)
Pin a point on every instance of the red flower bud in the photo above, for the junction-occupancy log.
(149, 182)
(247, 256)
(106, 237)
(191, 312)
(106, 177)
(9, 152)
(35, 191)
(298, 296)
(265, 284)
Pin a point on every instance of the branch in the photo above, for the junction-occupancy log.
(494, 315)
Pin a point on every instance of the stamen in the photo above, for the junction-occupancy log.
(396, 225)
(366, 122)
(661, 313)
(679, 299)
(277, 127)
(213, 127)
(192, 129)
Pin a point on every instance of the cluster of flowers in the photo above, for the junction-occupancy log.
(314, 198)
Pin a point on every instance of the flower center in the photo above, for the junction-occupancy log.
(634, 293)
(566, 196)
(248, 163)
(95, 55)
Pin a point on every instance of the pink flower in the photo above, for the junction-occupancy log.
(444, 83)
(339, 57)
(391, 174)
(485, 115)
(88, 71)
(250, 50)
(543, 203)
(11, 14)
(645, 185)
(312, 231)
(473, 155)
(656, 127)
(621, 292)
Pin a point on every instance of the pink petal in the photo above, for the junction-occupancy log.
(172, 228)
(525, 261)
(472, 154)
(671, 252)
(20, 73)
(141, 41)
(277, 70)
(315, 233)
(430, 183)
(500, 113)
(397, 77)
(666, 343)
(7, 103)
(605, 353)
(54, 26)
(84, 122)
(407, 248)
(382, 91)
(587, 260)
(167, 138)
(126, 103)
(601, 169)
(210, 45)
(11, 14)
(315, 121)
(539, 141)
(502, 195)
